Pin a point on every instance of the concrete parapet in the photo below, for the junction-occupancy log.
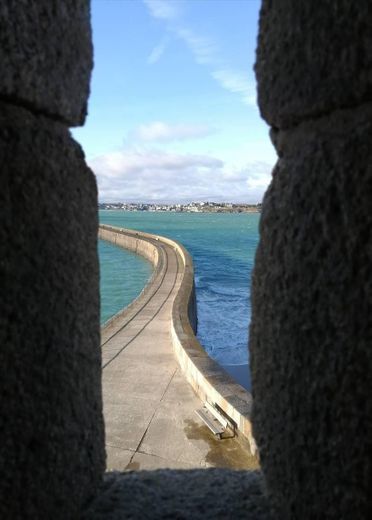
(312, 58)
(51, 426)
(46, 56)
(153, 254)
(208, 379)
(131, 240)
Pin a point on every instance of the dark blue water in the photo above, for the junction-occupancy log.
(223, 248)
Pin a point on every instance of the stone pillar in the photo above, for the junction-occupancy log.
(51, 426)
(311, 332)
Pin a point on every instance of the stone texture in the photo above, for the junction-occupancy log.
(182, 494)
(311, 332)
(51, 427)
(46, 56)
(313, 57)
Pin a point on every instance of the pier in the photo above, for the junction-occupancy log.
(149, 403)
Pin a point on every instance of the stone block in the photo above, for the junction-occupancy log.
(312, 58)
(51, 426)
(310, 337)
(46, 56)
(205, 494)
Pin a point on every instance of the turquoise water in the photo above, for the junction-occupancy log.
(223, 248)
(123, 276)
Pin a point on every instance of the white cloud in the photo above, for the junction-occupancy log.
(152, 162)
(259, 176)
(161, 176)
(163, 132)
(205, 52)
(237, 83)
(157, 51)
(203, 49)
(163, 9)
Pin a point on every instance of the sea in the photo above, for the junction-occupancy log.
(223, 247)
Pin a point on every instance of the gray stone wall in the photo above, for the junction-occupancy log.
(46, 56)
(312, 58)
(311, 332)
(51, 426)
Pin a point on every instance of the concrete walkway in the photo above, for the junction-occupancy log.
(148, 405)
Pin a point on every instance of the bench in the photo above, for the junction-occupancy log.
(215, 421)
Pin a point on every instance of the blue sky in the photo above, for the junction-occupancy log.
(172, 112)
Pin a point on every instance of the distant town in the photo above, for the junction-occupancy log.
(192, 207)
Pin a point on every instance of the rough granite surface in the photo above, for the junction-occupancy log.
(311, 331)
(312, 58)
(46, 56)
(51, 426)
(181, 495)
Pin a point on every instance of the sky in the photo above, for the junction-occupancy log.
(172, 114)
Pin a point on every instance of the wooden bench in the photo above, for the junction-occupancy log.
(211, 417)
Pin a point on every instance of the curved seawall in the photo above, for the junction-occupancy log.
(131, 241)
(208, 379)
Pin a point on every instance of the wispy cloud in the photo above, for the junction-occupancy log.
(157, 51)
(146, 175)
(160, 131)
(163, 9)
(237, 83)
(205, 51)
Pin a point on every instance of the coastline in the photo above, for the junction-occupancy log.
(180, 211)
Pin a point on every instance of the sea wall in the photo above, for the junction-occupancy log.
(208, 379)
(131, 241)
